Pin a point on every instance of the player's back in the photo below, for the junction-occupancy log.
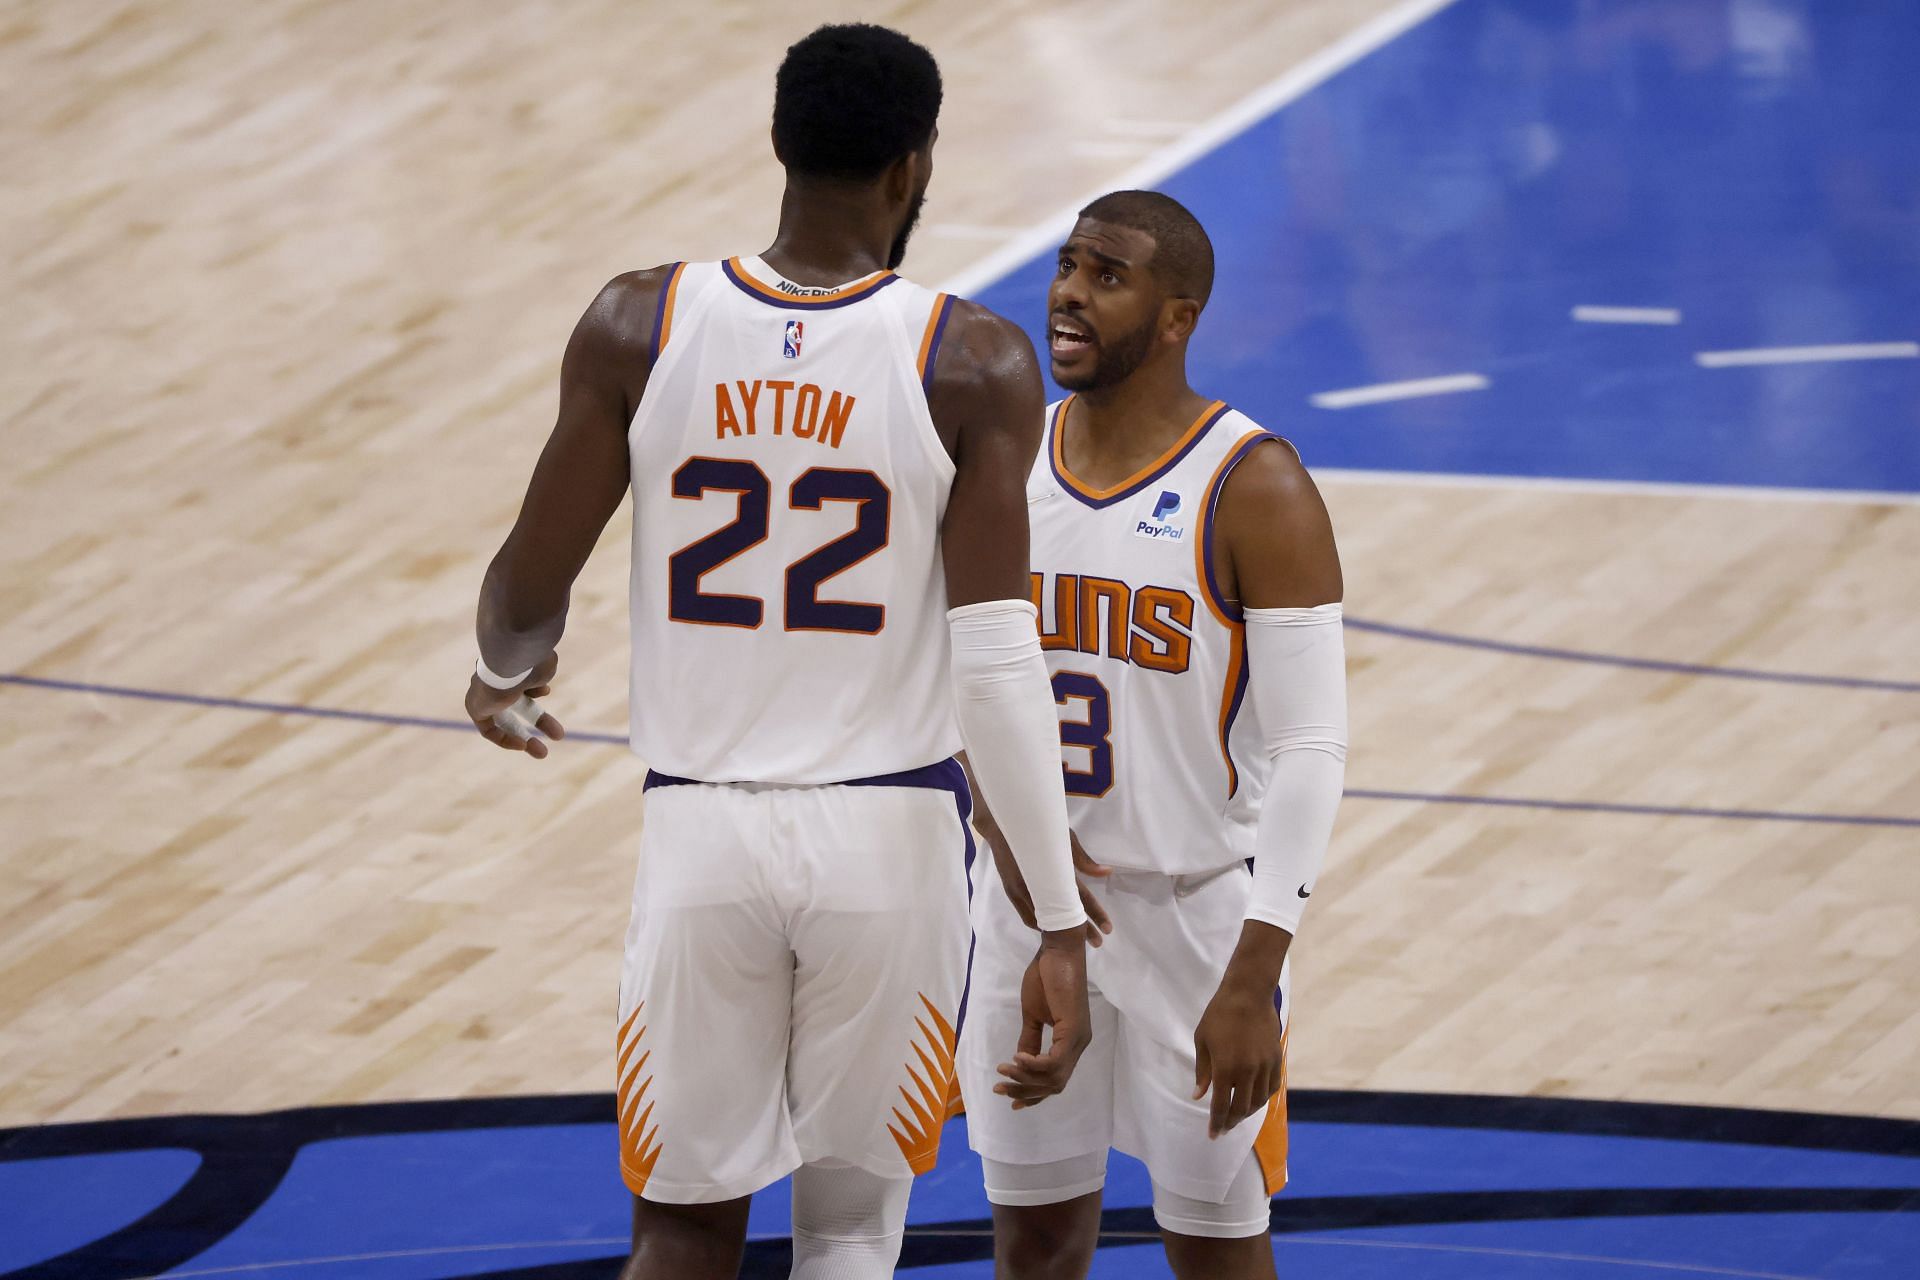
(788, 600)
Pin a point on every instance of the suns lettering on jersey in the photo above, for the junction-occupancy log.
(1150, 627)
(780, 407)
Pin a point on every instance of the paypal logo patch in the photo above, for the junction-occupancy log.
(1163, 525)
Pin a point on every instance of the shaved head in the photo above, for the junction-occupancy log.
(1182, 261)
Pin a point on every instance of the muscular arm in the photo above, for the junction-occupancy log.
(576, 487)
(1280, 555)
(1280, 563)
(988, 406)
(578, 482)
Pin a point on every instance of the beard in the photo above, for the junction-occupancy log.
(1116, 362)
(898, 253)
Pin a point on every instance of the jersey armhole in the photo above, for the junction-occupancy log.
(663, 312)
(1227, 612)
(927, 353)
(930, 339)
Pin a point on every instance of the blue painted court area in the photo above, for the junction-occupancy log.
(1384, 1184)
(1438, 208)
(1441, 206)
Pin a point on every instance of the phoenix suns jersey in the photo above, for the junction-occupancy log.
(1148, 660)
(788, 599)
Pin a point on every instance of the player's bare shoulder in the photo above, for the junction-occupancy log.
(985, 378)
(613, 342)
(1276, 529)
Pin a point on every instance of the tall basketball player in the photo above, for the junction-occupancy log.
(1190, 593)
(829, 596)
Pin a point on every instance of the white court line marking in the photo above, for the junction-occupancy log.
(1250, 110)
(1149, 128)
(1624, 488)
(970, 231)
(256, 1268)
(1627, 315)
(1253, 108)
(1809, 355)
(1686, 1268)
(1383, 391)
(597, 1242)
(1112, 148)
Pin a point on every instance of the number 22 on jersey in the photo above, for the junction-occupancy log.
(803, 609)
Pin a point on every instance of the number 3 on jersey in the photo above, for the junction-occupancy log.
(1094, 733)
(804, 609)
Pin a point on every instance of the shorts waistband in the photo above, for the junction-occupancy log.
(941, 775)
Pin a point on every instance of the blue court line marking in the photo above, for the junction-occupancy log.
(619, 740)
(275, 708)
(1634, 664)
(1641, 810)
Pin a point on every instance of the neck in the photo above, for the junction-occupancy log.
(1141, 414)
(830, 233)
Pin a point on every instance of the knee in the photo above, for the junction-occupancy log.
(1032, 1244)
(686, 1240)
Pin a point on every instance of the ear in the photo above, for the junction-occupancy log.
(900, 177)
(774, 139)
(1178, 316)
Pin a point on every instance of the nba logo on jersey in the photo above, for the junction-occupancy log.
(790, 344)
(1159, 525)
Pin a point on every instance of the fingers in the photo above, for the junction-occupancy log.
(1220, 1107)
(547, 725)
(1032, 1078)
(497, 736)
(1029, 1042)
(1082, 861)
(1021, 1091)
(1099, 923)
(1238, 1094)
(1202, 1069)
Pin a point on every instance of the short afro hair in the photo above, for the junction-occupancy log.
(852, 99)
(1182, 254)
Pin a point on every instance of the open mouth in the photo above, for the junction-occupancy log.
(1068, 336)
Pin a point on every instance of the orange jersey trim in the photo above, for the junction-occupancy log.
(1159, 466)
(840, 297)
(1203, 545)
(930, 340)
(663, 322)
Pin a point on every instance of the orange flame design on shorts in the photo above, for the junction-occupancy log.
(918, 1134)
(639, 1145)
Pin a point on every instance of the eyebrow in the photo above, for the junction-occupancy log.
(1106, 258)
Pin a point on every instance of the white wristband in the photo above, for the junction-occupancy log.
(494, 680)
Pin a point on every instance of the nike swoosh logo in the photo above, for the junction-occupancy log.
(1305, 892)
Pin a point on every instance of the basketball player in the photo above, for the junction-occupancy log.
(829, 596)
(1189, 593)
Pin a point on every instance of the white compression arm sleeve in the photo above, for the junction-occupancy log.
(1297, 666)
(1012, 734)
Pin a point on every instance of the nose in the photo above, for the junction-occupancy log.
(1069, 292)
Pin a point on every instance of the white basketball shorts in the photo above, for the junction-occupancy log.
(792, 981)
(1133, 1088)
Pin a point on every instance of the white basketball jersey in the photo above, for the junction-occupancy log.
(1158, 741)
(788, 600)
